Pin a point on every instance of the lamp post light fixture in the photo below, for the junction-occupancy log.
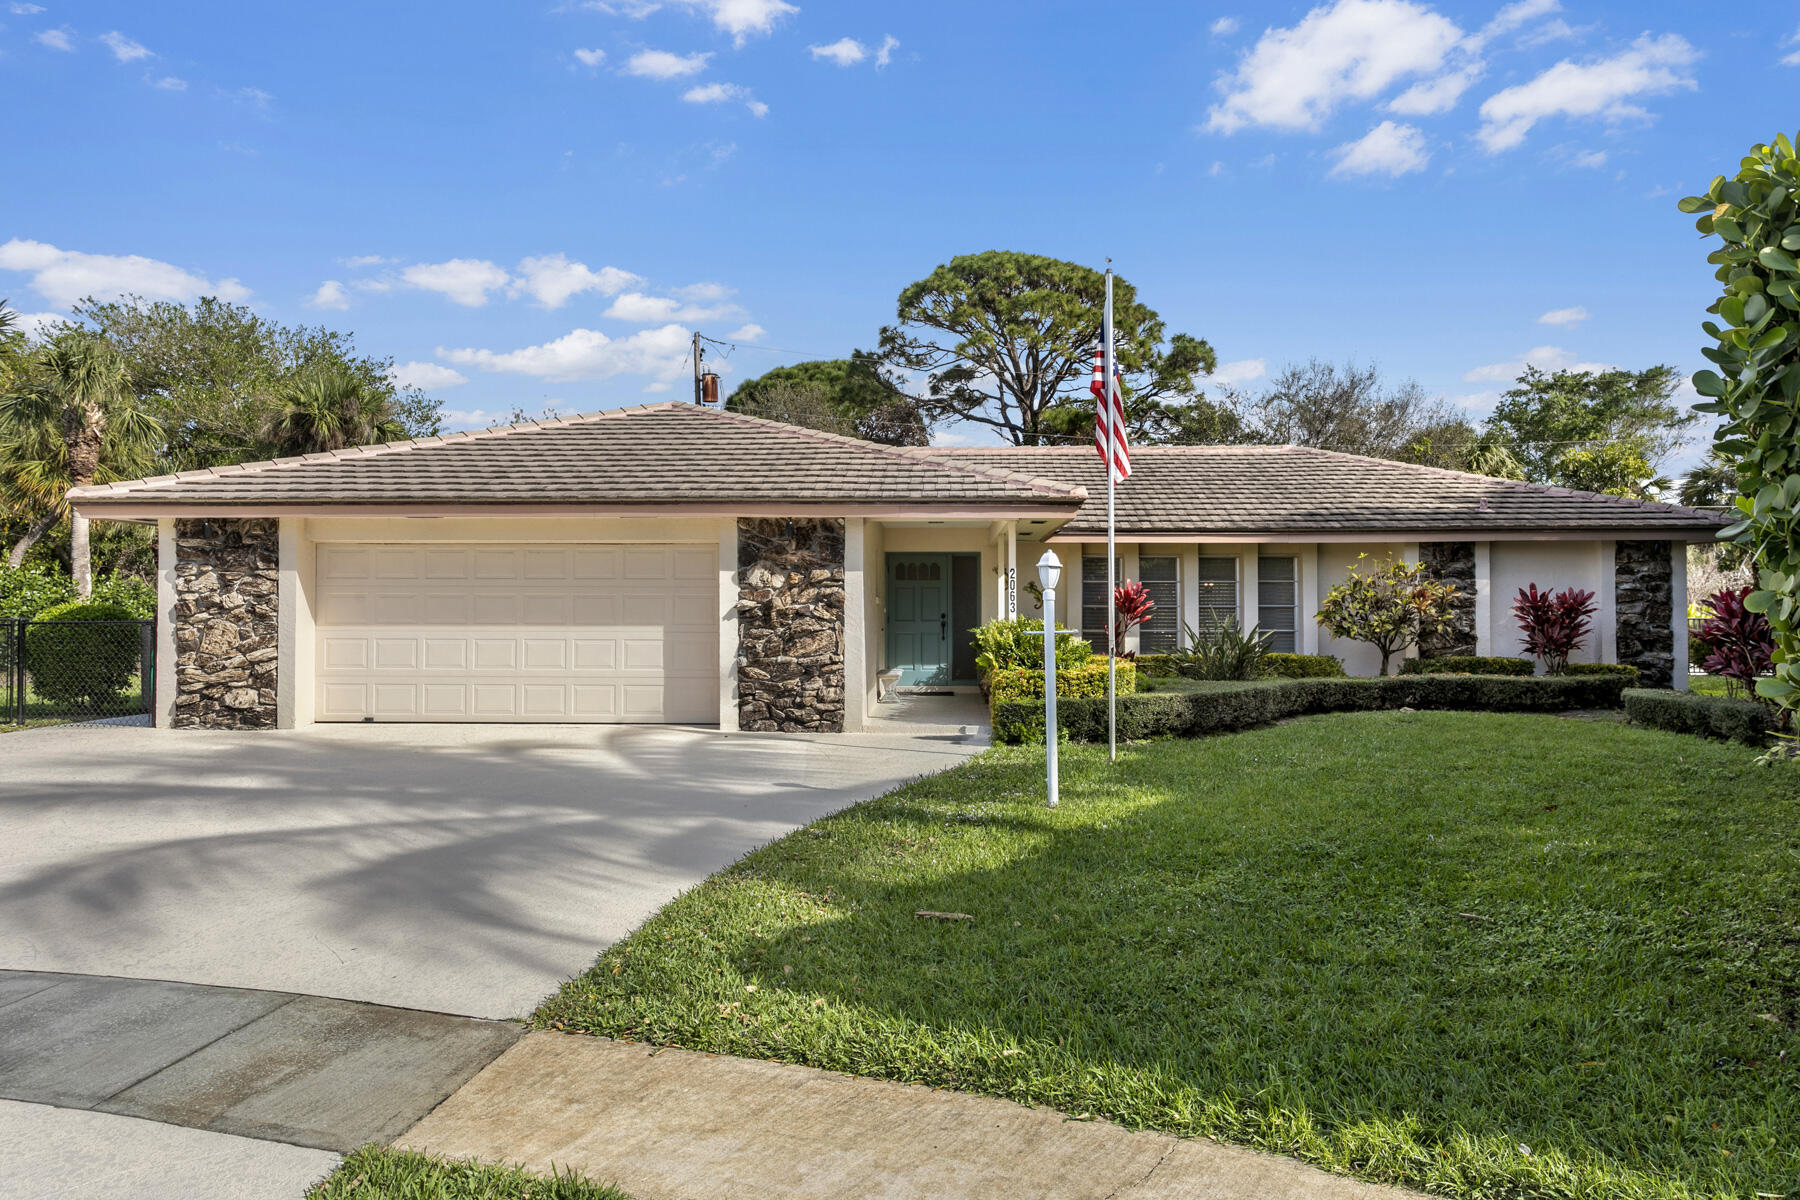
(1049, 575)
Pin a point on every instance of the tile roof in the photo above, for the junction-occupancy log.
(669, 453)
(1228, 490)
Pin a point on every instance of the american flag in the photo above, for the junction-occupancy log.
(1109, 420)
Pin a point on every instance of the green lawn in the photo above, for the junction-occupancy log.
(375, 1173)
(1487, 955)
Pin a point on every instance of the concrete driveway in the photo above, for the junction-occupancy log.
(461, 869)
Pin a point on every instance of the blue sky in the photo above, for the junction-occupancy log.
(532, 205)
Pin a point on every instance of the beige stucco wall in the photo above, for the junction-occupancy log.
(1553, 566)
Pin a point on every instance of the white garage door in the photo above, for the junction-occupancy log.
(518, 633)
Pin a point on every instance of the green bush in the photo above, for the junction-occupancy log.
(1624, 671)
(1300, 666)
(1225, 650)
(26, 591)
(128, 592)
(1709, 716)
(1468, 664)
(72, 662)
(1158, 666)
(1083, 682)
(1006, 643)
(1221, 707)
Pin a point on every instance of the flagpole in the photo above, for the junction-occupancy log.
(1113, 433)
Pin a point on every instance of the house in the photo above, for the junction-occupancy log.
(673, 563)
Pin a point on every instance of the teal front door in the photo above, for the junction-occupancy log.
(918, 618)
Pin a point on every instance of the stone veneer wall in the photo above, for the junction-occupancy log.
(1644, 598)
(227, 626)
(1453, 563)
(790, 612)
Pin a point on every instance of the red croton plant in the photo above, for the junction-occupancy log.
(1741, 642)
(1132, 607)
(1554, 625)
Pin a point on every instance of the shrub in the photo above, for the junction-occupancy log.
(1555, 626)
(1132, 607)
(128, 592)
(1224, 651)
(1624, 671)
(1158, 666)
(1083, 682)
(1741, 643)
(1300, 666)
(72, 662)
(27, 590)
(1019, 642)
(1390, 607)
(1468, 664)
(1223, 707)
(1709, 716)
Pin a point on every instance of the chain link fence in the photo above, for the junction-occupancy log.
(55, 672)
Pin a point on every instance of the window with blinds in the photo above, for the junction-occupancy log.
(1096, 605)
(1278, 601)
(1217, 585)
(1160, 574)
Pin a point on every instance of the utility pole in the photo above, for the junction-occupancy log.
(699, 353)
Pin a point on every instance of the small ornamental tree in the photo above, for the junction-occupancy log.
(1390, 606)
(1555, 626)
(1756, 390)
(1741, 643)
(1132, 607)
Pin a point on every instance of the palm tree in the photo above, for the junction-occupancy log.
(68, 422)
(328, 409)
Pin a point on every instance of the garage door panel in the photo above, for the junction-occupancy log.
(518, 633)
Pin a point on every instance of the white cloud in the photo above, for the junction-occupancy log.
(746, 333)
(21, 9)
(1437, 95)
(1517, 15)
(1223, 27)
(1241, 371)
(741, 18)
(467, 281)
(641, 309)
(705, 292)
(358, 261)
(35, 324)
(56, 39)
(1589, 158)
(123, 48)
(253, 98)
(1792, 60)
(1567, 318)
(721, 93)
(1599, 88)
(660, 64)
(1387, 149)
(64, 277)
(588, 354)
(885, 53)
(1550, 31)
(1217, 169)
(1544, 358)
(331, 294)
(1348, 50)
(845, 52)
(425, 375)
(170, 83)
(590, 58)
(551, 279)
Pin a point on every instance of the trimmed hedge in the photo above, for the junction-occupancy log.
(1624, 671)
(82, 663)
(1468, 664)
(1684, 712)
(1223, 707)
(1300, 666)
(1072, 683)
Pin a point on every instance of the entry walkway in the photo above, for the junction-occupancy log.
(675, 1125)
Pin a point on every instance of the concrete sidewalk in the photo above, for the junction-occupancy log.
(676, 1125)
(325, 1074)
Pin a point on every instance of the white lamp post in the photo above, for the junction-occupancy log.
(1049, 575)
